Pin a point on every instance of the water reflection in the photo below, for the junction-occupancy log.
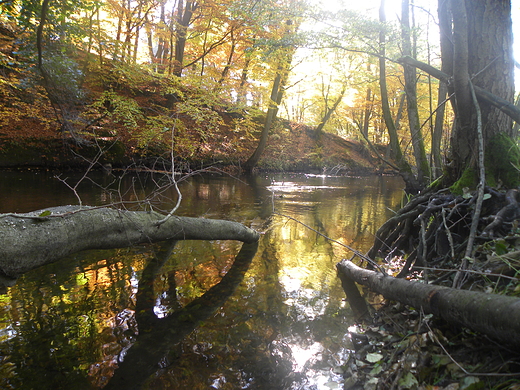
(285, 326)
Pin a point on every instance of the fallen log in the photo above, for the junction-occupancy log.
(497, 316)
(30, 240)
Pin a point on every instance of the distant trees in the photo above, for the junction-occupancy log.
(282, 50)
(205, 55)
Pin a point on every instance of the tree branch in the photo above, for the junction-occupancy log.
(503, 105)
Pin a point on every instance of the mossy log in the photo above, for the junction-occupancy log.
(31, 240)
(497, 316)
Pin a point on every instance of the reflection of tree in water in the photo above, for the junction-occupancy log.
(56, 323)
(237, 347)
(151, 353)
(68, 320)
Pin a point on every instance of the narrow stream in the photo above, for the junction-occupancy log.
(281, 323)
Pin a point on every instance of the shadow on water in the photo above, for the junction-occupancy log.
(190, 316)
(157, 336)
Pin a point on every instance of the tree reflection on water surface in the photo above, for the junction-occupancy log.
(283, 326)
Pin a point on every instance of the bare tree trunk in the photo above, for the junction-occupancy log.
(497, 316)
(329, 111)
(395, 149)
(276, 92)
(410, 87)
(282, 74)
(463, 137)
(120, 17)
(184, 16)
(229, 63)
(437, 129)
(367, 113)
(242, 90)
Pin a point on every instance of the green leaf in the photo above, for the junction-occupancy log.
(408, 381)
(46, 213)
(373, 357)
(471, 383)
(500, 247)
(376, 370)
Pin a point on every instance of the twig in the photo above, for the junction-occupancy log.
(179, 194)
(448, 233)
(469, 271)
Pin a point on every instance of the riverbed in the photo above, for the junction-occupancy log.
(69, 325)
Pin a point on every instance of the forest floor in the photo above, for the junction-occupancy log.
(400, 347)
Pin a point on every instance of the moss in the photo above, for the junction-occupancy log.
(467, 180)
(437, 184)
(502, 157)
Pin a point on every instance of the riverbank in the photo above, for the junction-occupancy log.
(123, 114)
(290, 147)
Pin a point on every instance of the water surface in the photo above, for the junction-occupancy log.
(280, 322)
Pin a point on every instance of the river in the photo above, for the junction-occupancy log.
(285, 325)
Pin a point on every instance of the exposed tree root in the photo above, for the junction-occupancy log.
(433, 229)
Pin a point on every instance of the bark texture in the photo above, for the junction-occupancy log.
(478, 48)
(494, 315)
(31, 240)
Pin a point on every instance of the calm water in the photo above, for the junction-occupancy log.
(279, 321)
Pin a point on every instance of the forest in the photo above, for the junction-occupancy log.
(419, 89)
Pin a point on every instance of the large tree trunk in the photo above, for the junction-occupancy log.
(481, 38)
(37, 238)
(497, 316)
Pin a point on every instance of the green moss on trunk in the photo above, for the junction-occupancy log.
(502, 158)
(469, 179)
